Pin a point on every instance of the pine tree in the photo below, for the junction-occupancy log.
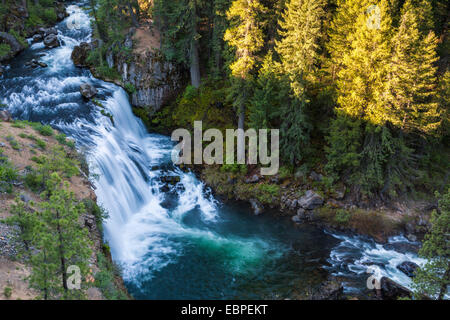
(299, 52)
(271, 94)
(341, 28)
(433, 279)
(300, 32)
(179, 22)
(412, 83)
(245, 35)
(61, 242)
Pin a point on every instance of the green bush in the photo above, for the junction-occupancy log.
(7, 174)
(342, 216)
(5, 50)
(7, 292)
(49, 15)
(129, 87)
(43, 130)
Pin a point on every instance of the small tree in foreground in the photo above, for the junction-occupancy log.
(433, 278)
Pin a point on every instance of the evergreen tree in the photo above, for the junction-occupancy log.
(271, 94)
(341, 28)
(412, 83)
(433, 279)
(245, 36)
(179, 22)
(61, 242)
(300, 32)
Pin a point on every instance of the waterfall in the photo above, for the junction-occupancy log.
(176, 240)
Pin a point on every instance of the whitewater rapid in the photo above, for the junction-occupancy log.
(152, 225)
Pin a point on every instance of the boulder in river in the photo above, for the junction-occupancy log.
(51, 41)
(87, 90)
(391, 290)
(409, 268)
(80, 54)
(256, 206)
(310, 200)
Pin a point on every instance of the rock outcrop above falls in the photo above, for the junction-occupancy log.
(150, 80)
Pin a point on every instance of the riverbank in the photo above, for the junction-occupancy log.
(304, 193)
(23, 147)
(21, 20)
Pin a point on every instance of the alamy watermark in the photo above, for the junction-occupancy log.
(213, 153)
(374, 20)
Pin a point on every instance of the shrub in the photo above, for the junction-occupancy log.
(43, 130)
(342, 216)
(49, 15)
(7, 175)
(7, 292)
(5, 50)
(129, 87)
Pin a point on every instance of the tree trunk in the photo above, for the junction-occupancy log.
(100, 29)
(132, 14)
(195, 64)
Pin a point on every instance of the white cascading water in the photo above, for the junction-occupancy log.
(127, 164)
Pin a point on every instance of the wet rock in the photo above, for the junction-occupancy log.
(297, 219)
(172, 180)
(51, 41)
(402, 247)
(310, 200)
(42, 64)
(331, 289)
(411, 237)
(80, 54)
(409, 268)
(37, 38)
(2, 70)
(87, 91)
(257, 207)
(253, 179)
(5, 115)
(391, 290)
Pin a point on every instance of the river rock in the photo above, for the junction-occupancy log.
(5, 115)
(391, 290)
(310, 200)
(172, 180)
(257, 207)
(37, 38)
(409, 268)
(80, 54)
(87, 91)
(331, 289)
(51, 41)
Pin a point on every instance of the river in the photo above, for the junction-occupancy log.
(178, 242)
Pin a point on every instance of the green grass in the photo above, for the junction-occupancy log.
(7, 292)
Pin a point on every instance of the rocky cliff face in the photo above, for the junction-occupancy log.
(150, 80)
